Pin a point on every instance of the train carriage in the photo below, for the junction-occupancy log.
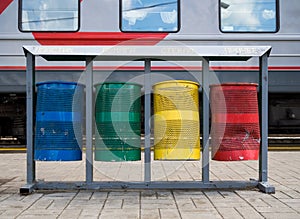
(151, 22)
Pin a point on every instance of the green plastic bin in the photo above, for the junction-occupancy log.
(118, 121)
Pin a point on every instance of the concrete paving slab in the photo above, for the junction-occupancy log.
(284, 174)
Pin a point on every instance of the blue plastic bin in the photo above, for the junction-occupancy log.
(59, 112)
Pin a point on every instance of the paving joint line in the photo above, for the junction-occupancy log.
(104, 203)
(68, 204)
(249, 203)
(28, 206)
(213, 204)
(177, 207)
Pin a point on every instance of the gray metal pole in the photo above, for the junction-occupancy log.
(263, 158)
(30, 94)
(89, 119)
(205, 121)
(147, 125)
(263, 152)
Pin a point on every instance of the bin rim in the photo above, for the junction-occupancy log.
(177, 81)
(118, 82)
(59, 82)
(234, 84)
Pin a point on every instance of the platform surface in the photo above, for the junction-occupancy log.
(284, 174)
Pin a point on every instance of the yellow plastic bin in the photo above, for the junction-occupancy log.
(176, 120)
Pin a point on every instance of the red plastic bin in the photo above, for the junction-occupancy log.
(235, 131)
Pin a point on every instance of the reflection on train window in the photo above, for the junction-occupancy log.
(149, 15)
(248, 15)
(49, 15)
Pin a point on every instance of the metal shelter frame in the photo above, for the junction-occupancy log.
(88, 54)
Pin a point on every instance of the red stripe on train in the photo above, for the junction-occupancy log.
(4, 4)
(98, 38)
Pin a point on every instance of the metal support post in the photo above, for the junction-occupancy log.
(30, 94)
(205, 121)
(263, 154)
(147, 116)
(89, 119)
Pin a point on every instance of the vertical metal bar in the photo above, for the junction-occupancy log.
(30, 94)
(263, 97)
(147, 125)
(89, 119)
(205, 121)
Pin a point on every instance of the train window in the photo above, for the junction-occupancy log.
(49, 15)
(249, 15)
(149, 15)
